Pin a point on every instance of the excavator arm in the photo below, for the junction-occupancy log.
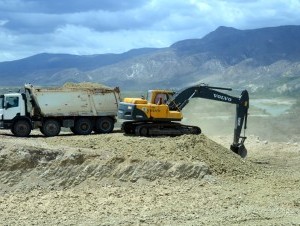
(181, 99)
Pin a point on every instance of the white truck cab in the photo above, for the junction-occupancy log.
(12, 105)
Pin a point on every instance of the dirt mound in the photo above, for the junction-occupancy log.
(86, 85)
(123, 180)
(41, 162)
(186, 148)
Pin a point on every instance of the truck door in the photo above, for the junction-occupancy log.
(11, 107)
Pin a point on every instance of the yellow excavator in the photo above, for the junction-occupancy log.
(160, 113)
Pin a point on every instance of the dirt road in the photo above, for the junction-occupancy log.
(121, 180)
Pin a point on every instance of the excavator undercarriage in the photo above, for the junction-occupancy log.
(158, 128)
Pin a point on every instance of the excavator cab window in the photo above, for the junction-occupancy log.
(161, 98)
(149, 96)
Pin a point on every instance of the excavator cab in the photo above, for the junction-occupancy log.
(159, 96)
(155, 108)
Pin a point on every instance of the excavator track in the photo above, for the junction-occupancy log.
(158, 128)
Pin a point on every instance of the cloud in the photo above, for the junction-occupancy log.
(101, 18)
(3, 22)
(28, 27)
(67, 6)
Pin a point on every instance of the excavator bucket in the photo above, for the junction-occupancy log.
(239, 149)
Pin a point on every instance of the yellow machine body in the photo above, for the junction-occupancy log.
(155, 107)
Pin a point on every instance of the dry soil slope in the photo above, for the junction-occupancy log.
(66, 161)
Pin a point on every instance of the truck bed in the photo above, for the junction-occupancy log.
(68, 101)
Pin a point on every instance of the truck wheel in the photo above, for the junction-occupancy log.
(104, 125)
(50, 128)
(83, 126)
(21, 128)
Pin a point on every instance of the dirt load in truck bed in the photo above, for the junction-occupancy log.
(112, 179)
(86, 85)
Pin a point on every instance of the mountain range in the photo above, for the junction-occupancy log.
(265, 60)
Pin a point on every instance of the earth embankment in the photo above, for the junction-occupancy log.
(66, 161)
(113, 179)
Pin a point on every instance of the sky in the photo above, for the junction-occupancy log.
(86, 27)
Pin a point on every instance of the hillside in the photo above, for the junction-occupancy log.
(40, 67)
(262, 60)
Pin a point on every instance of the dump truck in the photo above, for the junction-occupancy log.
(83, 107)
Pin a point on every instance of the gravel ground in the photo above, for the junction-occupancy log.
(112, 179)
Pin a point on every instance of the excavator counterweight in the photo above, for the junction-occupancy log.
(161, 112)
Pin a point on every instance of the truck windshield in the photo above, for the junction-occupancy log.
(12, 102)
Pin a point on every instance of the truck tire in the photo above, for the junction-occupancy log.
(21, 128)
(104, 125)
(50, 128)
(83, 126)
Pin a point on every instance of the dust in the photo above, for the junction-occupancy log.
(218, 119)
